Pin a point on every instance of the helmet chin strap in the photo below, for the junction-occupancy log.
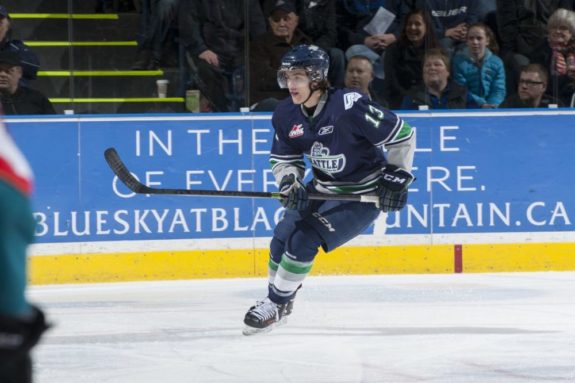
(310, 93)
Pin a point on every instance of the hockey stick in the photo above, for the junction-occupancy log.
(115, 162)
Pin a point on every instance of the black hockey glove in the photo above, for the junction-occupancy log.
(294, 193)
(17, 338)
(393, 186)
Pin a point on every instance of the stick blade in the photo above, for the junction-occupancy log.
(115, 163)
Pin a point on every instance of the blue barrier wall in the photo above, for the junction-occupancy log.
(493, 193)
(485, 172)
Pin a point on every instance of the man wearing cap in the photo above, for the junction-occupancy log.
(15, 98)
(268, 49)
(317, 20)
(29, 61)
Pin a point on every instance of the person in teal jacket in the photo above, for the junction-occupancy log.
(479, 69)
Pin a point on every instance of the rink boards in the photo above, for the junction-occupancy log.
(494, 192)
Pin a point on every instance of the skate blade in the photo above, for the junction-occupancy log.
(248, 330)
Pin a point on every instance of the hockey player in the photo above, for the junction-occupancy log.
(343, 134)
(21, 324)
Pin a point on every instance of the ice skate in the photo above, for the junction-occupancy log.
(264, 316)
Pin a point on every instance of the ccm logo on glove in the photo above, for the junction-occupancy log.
(394, 179)
(392, 190)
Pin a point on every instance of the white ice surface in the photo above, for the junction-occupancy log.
(512, 327)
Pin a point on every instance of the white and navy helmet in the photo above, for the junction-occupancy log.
(311, 58)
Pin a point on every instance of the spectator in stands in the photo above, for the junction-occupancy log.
(359, 75)
(158, 31)
(533, 81)
(353, 16)
(451, 18)
(15, 98)
(404, 59)
(266, 53)
(437, 90)
(317, 19)
(522, 30)
(480, 69)
(29, 61)
(213, 33)
(557, 52)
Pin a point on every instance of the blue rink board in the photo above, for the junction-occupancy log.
(476, 173)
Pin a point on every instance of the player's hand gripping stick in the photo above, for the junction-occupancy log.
(293, 192)
(393, 186)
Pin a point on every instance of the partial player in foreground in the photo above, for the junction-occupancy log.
(21, 324)
(343, 134)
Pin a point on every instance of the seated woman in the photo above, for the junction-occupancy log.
(556, 53)
(437, 90)
(404, 59)
(479, 68)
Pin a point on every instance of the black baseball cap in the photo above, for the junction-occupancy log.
(4, 12)
(287, 6)
(8, 58)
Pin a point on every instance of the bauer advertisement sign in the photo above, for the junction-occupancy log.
(476, 173)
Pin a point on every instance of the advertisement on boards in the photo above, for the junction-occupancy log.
(476, 173)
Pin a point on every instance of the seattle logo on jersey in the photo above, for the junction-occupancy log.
(296, 131)
(350, 98)
(321, 159)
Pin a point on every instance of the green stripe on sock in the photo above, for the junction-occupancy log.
(272, 265)
(295, 267)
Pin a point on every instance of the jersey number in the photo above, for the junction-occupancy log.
(374, 116)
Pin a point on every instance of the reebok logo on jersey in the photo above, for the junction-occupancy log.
(325, 130)
(296, 131)
(350, 98)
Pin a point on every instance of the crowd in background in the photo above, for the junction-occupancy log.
(406, 54)
(417, 53)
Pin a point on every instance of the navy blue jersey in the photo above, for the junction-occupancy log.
(343, 142)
